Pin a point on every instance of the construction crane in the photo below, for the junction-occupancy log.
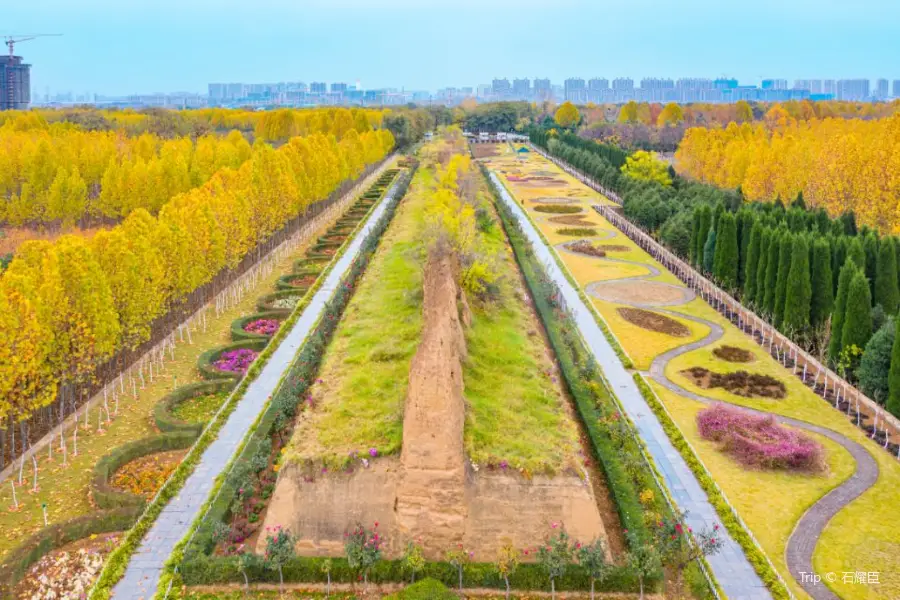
(11, 41)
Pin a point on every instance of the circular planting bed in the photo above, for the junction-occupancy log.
(310, 265)
(199, 409)
(334, 237)
(235, 361)
(230, 361)
(266, 327)
(557, 209)
(758, 440)
(190, 406)
(644, 293)
(296, 282)
(739, 383)
(68, 572)
(284, 301)
(145, 475)
(734, 354)
(652, 321)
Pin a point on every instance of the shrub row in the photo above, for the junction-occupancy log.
(735, 528)
(117, 562)
(195, 558)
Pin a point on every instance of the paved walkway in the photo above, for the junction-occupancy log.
(142, 574)
(802, 542)
(733, 571)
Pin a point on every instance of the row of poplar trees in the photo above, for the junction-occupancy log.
(822, 282)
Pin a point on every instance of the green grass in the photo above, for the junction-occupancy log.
(200, 408)
(362, 384)
(577, 231)
(516, 408)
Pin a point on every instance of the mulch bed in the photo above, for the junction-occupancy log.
(484, 150)
(733, 354)
(614, 248)
(739, 383)
(560, 210)
(577, 231)
(68, 572)
(555, 200)
(654, 322)
(145, 475)
(304, 281)
(585, 247)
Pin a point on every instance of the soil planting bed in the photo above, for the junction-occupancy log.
(585, 247)
(68, 572)
(733, 354)
(484, 150)
(556, 200)
(560, 210)
(614, 248)
(145, 475)
(304, 280)
(739, 383)
(654, 322)
(577, 231)
(645, 293)
(580, 220)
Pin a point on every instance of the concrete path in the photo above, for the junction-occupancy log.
(733, 571)
(142, 574)
(808, 529)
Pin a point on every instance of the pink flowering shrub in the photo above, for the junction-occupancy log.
(758, 440)
(236, 361)
(262, 326)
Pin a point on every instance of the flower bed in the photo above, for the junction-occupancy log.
(145, 475)
(262, 326)
(206, 363)
(69, 572)
(758, 441)
(236, 361)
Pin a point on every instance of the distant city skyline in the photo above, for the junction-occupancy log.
(114, 48)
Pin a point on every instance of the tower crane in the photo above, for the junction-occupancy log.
(11, 41)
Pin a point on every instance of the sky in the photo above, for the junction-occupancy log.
(116, 47)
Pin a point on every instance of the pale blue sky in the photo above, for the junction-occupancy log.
(126, 46)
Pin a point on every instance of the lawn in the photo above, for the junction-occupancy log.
(362, 383)
(199, 409)
(858, 538)
(516, 410)
(65, 488)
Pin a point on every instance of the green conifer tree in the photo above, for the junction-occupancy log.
(751, 267)
(822, 302)
(849, 269)
(893, 399)
(772, 270)
(703, 233)
(857, 327)
(725, 260)
(759, 291)
(798, 292)
(887, 294)
(785, 250)
(870, 247)
(709, 251)
(856, 252)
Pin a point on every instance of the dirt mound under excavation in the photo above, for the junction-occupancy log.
(585, 247)
(579, 220)
(734, 354)
(739, 383)
(644, 293)
(654, 321)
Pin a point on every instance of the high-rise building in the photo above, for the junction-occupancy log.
(829, 86)
(217, 92)
(501, 87)
(654, 83)
(235, 91)
(542, 89)
(598, 84)
(853, 89)
(338, 88)
(575, 90)
(15, 83)
(896, 93)
(623, 84)
(881, 89)
(775, 84)
(521, 88)
(318, 87)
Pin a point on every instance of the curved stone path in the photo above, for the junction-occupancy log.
(802, 542)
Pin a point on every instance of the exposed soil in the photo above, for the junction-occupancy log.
(579, 220)
(484, 150)
(69, 571)
(740, 383)
(654, 321)
(555, 200)
(647, 293)
(541, 183)
(304, 280)
(585, 247)
(614, 248)
(560, 210)
(733, 354)
(577, 231)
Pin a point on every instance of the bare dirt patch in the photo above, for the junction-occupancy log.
(654, 321)
(614, 248)
(739, 383)
(484, 150)
(646, 293)
(734, 354)
(555, 200)
(542, 183)
(580, 220)
(560, 210)
(585, 247)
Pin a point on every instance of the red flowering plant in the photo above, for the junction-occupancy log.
(555, 555)
(236, 361)
(459, 557)
(263, 326)
(363, 548)
(279, 550)
(679, 545)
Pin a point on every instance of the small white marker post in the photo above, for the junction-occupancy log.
(12, 484)
(34, 486)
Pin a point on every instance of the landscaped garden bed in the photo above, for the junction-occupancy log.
(577, 231)
(232, 360)
(259, 325)
(741, 383)
(557, 209)
(654, 321)
(585, 247)
(189, 407)
(758, 441)
(145, 475)
(283, 301)
(68, 572)
(733, 354)
(579, 220)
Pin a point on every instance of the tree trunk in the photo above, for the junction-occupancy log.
(641, 580)
(552, 589)
(460, 578)
(592, 588)
(246, 582)
(280, 581)
(328, 585)
(506, 580)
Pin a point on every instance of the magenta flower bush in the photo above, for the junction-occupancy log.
(758, 440)
(263, 326)
(236, 361)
